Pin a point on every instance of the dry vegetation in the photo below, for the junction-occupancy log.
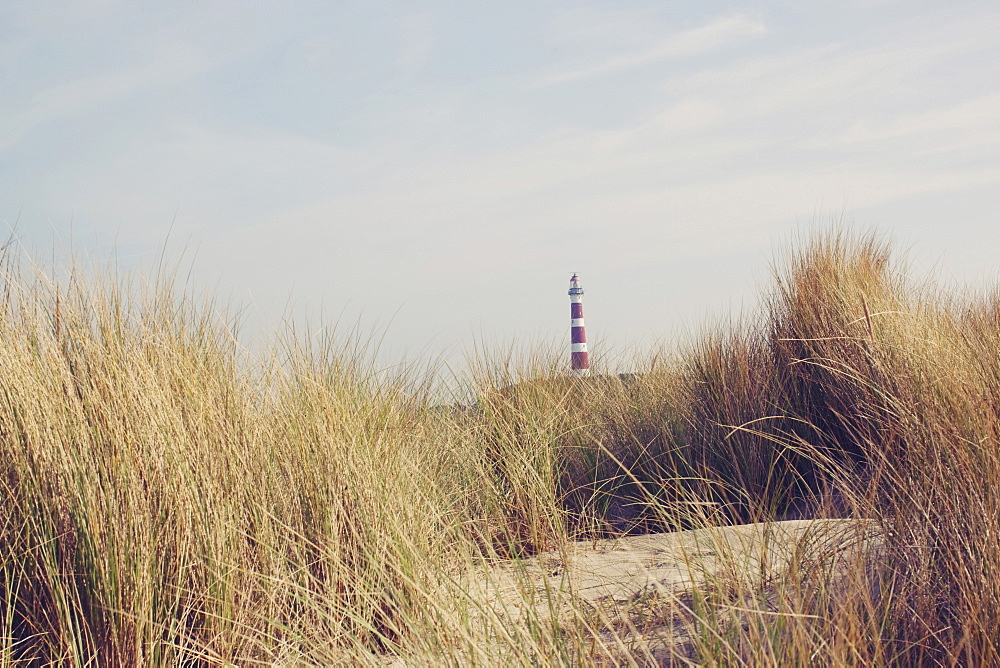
(167, 499)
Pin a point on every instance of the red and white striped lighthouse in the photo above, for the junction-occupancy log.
(578, 336)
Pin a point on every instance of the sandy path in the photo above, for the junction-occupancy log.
(621, 569)
(604, 585)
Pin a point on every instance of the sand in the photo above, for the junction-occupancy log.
(634, 593)
(621, 569)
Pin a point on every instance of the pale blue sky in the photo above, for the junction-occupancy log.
(446, 165)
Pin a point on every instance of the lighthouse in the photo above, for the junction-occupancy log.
(578, 335)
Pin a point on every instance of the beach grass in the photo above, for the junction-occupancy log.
(169, 497)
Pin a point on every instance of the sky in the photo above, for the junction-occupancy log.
(435, 171)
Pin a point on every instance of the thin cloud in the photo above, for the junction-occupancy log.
(977, 116)
(714, 35)
(418, 39)
(74, 97)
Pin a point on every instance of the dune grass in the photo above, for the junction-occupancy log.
(167, 498)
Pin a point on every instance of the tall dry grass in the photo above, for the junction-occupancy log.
(169, 498)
